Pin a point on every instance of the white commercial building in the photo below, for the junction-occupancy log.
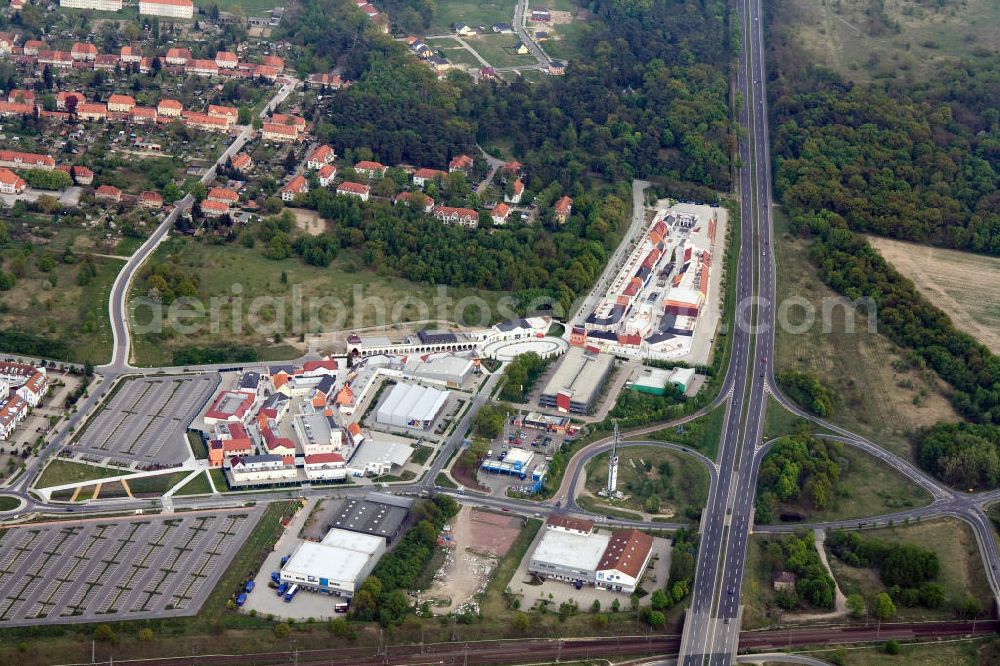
(317, 433)
(337, 565)
(170, 8)
(98, 5)
(411, 406)
(378, 458)
(569, 556)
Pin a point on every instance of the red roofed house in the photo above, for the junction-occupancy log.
(82, 175)
(18, 96)
(500, 213)
(276, 445)
(242, 162)
(33, 46)
(517, 189)
(273, 61)
(355, 434)
(325, 467)
(15, 109)
(177, 56)
(370, 169)
(213, 208)
(354, 190)
(562, 209)
(465, 217)
(460, 163)
(320, 157)
(62, 100)
(226, 59)
(206, 122)
(108, 193)
(280, 133)
(228, 112)
(15, 159)
(130, 54)
(624, 560)
(83, 52)
(266, 72)
(201, 67)
(223, 195)
(326, 175)
(512, 168)
(91, 111)
(142, 115)
(10, 182)
(170, 108)
(407, 199)
(106, 61)
(60, 59)
(297, 185)
(117, 103)
(297, 122)
(422, 176)
(151, 200)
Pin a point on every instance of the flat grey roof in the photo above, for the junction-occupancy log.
(580, 373)
(369, 516)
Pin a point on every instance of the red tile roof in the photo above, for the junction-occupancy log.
(570, 523)
(626, 552)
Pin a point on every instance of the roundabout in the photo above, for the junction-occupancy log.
(507, 350)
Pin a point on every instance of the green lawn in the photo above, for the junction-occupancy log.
(9, 503)
(683, 489)
(248, 7)
(444, 481)
(779, 421)
(471, 12)
(156, 485)
(421, 454)
(60, 472)
(702, 434)
(498, 50)
(219, 479)
(456, 54)
(197, 445)
(197, 486)
(365, 297)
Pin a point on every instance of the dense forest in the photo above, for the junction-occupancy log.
(808, 392)
(801, 470)
(919, 163)
(963, 454)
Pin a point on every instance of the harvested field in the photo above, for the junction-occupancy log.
(965, 285)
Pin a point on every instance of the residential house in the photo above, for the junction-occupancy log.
(120, 103)
(151, 200)
(130, 54)
(106, 62)
(206, 122)
(354, 190)
(465, 217)
(10, 182)
(96, 5)
(16, 109)
(201, 67)
(541, 14)
(82, 175)
(463, 30)
(461, 163)
(81, 51)
(266, 72)
(63, 98)
(296, 186)
(280, 133)
(370, 169)
(516, 190)
(33, 46)
(331, 80)
(297, 122)
(169, 108)
(213, 208)
(142, 115)
(223, 195)
(562, 208)
(326, 175)
(422, 176)
(503, 28)
(320, 157)
(242, 162)
(19, 96)
(228, 112)
(14, 159)
(227, 60)
(407, 198)
(91, 111)
(108, 193)
(500, 213)
(56, 59)
(520, 48)
(177, 56)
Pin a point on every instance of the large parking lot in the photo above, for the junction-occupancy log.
(146, 419)
(124, 569)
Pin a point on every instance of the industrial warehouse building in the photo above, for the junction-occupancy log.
(577, 383)
(570, 550)
(376, 514)
(655, 380)
(411, 406)
(337, 565)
